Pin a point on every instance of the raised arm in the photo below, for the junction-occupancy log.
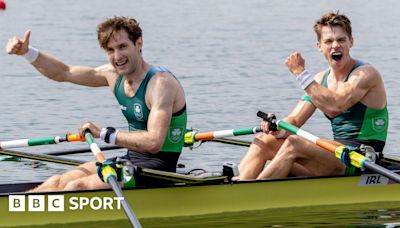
(332, 103)
(53, 68)
(364, 80)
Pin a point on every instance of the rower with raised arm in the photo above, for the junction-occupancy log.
(151, 99)
(350, 93)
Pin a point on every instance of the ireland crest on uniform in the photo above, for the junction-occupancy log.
(175, 134)
(379, 124)
(138, 111)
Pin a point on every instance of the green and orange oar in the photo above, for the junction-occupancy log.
(341, 151)
(194, 136)
(40, 141)
(110, 176)
(7, 155)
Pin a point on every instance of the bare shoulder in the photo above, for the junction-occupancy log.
(367, 80)
(368, 69)
(108, 72)
(366, 73)
(165, 90)
(164, 80)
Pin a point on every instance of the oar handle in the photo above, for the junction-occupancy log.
(271, 119)
(112, 180)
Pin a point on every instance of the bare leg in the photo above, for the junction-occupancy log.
(299, 156)
(262, 149)
(86, 183)
(58, 182)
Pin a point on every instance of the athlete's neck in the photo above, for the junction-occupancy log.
(340, 73)
(139, 74)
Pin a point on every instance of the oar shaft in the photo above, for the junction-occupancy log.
(379, 169)
(231, 141)
(42, 157)
(297, 131)
(327, 145)
(125, 204)
(39, 141)
(83, 150)
(226, 133)
(94, 148)
(112, 180)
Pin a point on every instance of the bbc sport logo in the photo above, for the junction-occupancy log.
(57, 203)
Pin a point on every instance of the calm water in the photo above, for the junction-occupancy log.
(228, 54)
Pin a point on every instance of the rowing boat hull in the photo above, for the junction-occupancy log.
(184, 200)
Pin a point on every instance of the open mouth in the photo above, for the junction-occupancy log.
(337, 56)
(120, 63)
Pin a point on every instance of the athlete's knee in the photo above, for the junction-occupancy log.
(292, 147)
(54, 181)
(293, 140)
(78, 184)
(265, 144)
(264, 139)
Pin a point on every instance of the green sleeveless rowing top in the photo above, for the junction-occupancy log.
(136, 112)
(358, 122)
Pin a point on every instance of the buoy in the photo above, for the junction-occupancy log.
(2, 5)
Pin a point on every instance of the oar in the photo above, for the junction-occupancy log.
(111, 178)
(231, 141)
(41, 157)
(83, 150)
(190, 138)
(39, 141)
(356, 159)
(194, 136)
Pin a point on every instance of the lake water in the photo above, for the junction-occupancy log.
(228, 54)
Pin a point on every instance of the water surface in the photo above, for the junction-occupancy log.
(228, 54)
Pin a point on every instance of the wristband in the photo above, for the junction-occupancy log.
(109, 135)
(32, 54)
(305, 79)
(280, 134)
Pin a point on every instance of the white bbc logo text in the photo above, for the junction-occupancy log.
(42, 203)
(35, 203)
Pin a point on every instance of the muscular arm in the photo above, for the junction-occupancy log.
(364, 85)
(303, 110)
(55, 69)
(301, 113)
(161, 94)
(334, 102)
